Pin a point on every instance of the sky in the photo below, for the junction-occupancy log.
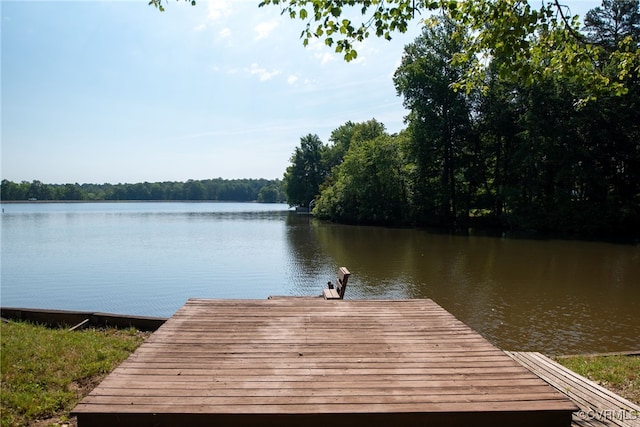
(118, 92)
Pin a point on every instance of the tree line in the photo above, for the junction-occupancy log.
(240, 190)
(519, 152)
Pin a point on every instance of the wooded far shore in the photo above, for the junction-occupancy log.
(236, 190)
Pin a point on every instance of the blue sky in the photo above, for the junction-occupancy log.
(116, 91)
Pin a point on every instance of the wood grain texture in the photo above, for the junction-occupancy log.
(312, 362)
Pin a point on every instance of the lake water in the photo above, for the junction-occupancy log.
(554, 296)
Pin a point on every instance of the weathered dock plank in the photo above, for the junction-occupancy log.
(598, 407)
(314, 362)
(57, 318)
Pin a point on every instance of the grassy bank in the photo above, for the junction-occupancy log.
(620, 374)
(45, 372)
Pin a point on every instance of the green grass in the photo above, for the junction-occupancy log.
(45, 372)
(620, 374)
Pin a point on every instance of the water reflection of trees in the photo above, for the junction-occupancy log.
(552, 296)
(309, 266)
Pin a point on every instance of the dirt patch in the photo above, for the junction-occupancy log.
(55, 422)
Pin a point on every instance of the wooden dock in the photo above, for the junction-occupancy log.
(599, 407)
(311, 362)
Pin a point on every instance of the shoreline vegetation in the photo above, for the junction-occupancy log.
(47, 371)
(514, 151)
(232, 190)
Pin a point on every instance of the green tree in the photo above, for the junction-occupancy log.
(72, 192)
(157, 192)
(340, 140)
(306, 173)
(13, 191)
(342, 137)
(550, 166)
(269, 194)
(614, 21)
(194, 190)
(370, 184)
(497, 123)
(138, 191)
(439, 121)
(40, 191)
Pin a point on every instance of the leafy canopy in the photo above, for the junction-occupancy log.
(523, 36)
(532, 42)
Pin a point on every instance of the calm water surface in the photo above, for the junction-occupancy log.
(552, 296)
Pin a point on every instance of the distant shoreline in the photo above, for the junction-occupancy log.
(23, 202)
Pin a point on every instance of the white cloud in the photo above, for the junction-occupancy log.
(262, 73)
(264, 29)
(218, 9)
(321, 51)
(315, 44)
(302, 84)
(324, 57)
(359, 60)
